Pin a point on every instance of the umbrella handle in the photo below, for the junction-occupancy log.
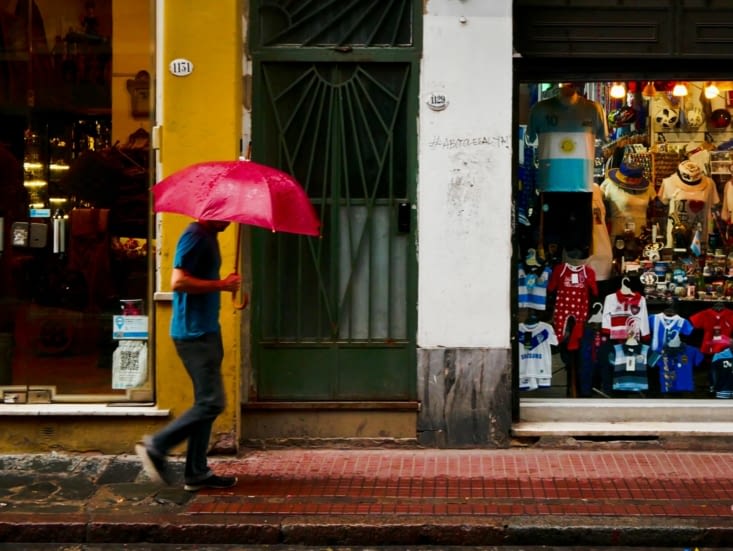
(245, 297)
(240, 305)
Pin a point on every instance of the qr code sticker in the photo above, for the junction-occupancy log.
(129, 364)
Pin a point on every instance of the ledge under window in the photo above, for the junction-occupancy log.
(85, 410)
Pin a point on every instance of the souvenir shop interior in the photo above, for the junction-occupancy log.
(74, 207)
(624, 202)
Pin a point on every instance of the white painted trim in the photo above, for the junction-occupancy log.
(163, 296)
(554, 428)
(159, 71)
(79, 410)
(626, 403)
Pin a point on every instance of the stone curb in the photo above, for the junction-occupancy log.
(350, 530)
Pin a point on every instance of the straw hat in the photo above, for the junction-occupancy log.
(629, 177)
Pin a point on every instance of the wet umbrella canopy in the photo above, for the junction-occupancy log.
(238, 191)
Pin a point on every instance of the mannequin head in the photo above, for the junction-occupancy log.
(571, 88)
(569, 91)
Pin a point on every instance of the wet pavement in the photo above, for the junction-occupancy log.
(380, 497)
(227, 547)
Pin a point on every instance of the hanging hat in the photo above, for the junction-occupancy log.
(689, 172)
(720, 118)
(629, 177)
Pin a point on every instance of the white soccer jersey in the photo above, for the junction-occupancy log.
(625, 315)
(535, 355)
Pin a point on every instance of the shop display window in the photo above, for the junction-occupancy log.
(74, 205)
(624, 203)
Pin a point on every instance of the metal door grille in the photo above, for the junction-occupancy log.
(334, 130)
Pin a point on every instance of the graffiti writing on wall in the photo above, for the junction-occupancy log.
(445, 142)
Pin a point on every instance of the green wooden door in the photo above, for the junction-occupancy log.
(334, 104)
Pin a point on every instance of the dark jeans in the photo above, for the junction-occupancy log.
(202, 359)
(568, 221)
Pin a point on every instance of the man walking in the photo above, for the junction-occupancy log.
(196, 334)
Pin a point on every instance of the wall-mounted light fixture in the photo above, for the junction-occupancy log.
(648, 91)
(711, 91)
(679, 90)
(618, 90)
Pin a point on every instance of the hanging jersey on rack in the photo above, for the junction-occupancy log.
(722, 374)
(629, 364)
(593, 348)
(625, 315)
(532, 292)
(666, 330)
(535, 355)
(676, 366)
(573, 284)
(717, 326)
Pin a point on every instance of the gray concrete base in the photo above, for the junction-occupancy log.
(465, 396)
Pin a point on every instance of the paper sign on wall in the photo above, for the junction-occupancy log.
(130, 327)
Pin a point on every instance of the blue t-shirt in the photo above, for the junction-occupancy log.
(194, 315)
(566, 134)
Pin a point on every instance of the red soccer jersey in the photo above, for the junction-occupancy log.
(573, 285)
(717, 326)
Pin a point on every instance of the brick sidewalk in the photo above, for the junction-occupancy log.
(518, 496)
(496, 483)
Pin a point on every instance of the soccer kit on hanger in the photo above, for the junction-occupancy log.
(573, 284)
(535, 355)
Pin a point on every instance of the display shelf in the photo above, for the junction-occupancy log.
(720, 162)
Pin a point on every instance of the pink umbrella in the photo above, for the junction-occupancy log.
(238, 191)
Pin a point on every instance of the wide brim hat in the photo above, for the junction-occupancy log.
(629, 177)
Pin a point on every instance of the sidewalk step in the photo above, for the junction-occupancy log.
(621, 429)
(627, 410)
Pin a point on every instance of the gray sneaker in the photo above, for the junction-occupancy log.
(212, 481)
(154, 464)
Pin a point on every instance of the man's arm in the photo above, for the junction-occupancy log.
(184, 282)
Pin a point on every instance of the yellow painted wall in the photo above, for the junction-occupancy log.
(133, 49)
(201, 120)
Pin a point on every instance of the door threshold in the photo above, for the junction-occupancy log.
(625, 410)
(406, 405)
(627, 428)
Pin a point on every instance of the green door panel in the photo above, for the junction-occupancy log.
(375, 373)
(289, 373)
(334, 318)
(337, 372)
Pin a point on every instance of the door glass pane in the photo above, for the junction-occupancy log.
(372, 278)
(75, 110)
